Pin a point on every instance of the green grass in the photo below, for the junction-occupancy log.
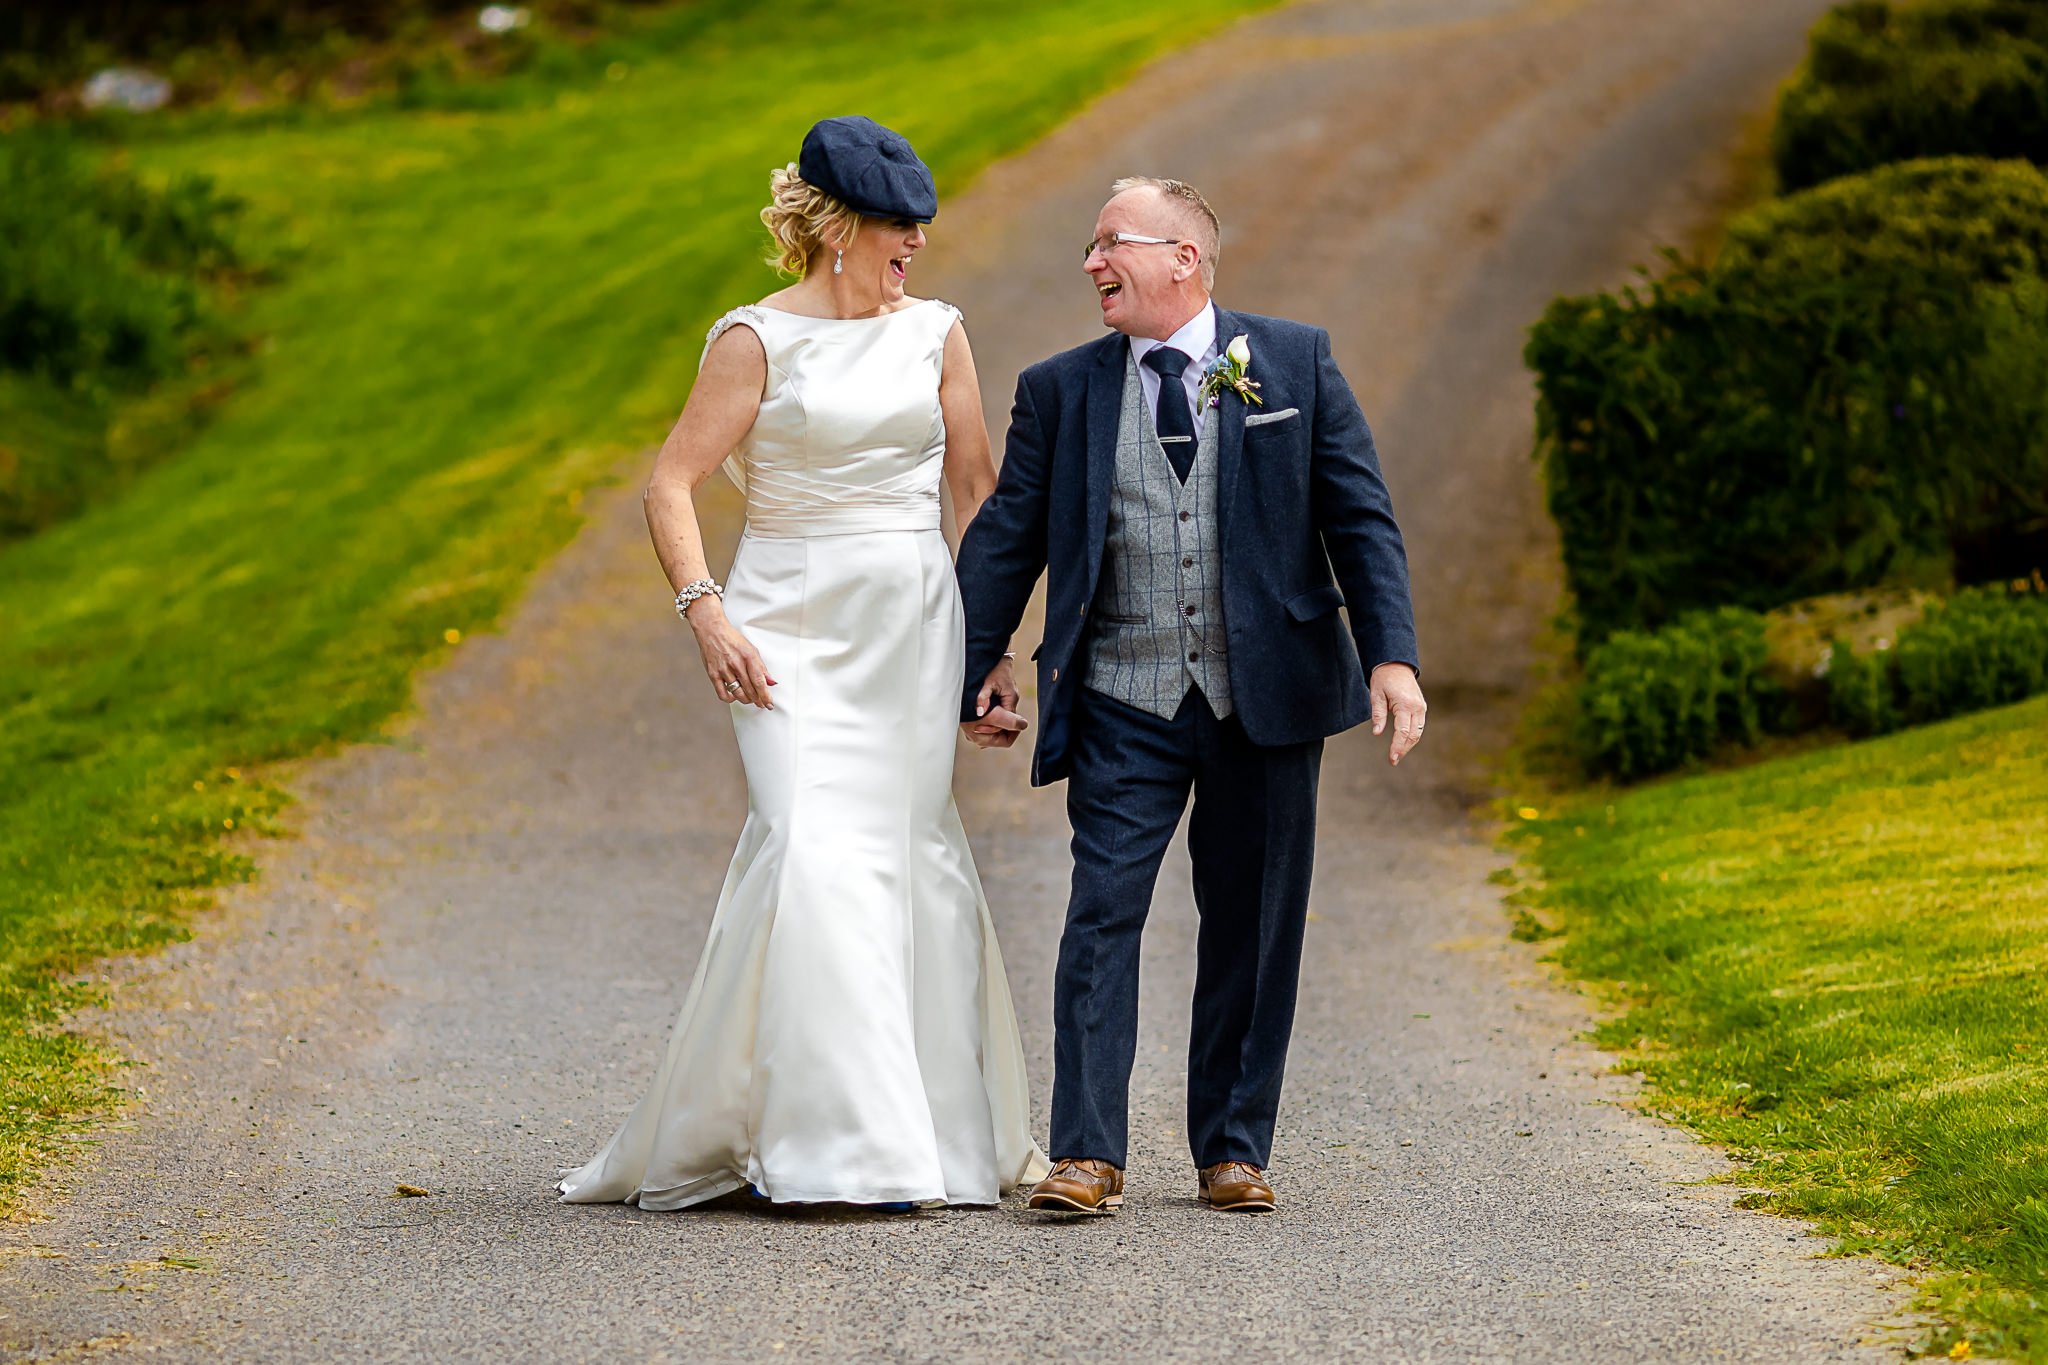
(480, 311)
(1837, 963)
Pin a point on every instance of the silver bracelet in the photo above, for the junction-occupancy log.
(692, 591)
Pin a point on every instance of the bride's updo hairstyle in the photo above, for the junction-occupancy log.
(851, 168)
(803, 220)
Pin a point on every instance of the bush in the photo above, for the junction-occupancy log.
(102, 296)
(99, 275)
(288, 46)
(1965, 220)
(1854, 393)
(1885, 83)
(1653, 701)
(51, 42)
(1985, 647)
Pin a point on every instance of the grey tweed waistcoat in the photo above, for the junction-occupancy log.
(1159, 609)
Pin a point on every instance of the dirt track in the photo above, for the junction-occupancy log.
(457, 978)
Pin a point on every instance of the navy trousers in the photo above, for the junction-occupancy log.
(1252, 841)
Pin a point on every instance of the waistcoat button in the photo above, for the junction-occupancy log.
(1194, 656)
(1186, 516)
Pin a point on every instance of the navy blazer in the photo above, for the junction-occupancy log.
(1307, 528)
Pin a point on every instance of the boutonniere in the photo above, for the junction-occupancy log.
(1232, 370)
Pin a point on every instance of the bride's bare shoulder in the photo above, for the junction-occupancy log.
(784, 300)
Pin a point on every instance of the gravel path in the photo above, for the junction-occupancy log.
(456, 978)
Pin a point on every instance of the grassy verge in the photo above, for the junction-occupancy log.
(483, 309)
(1837, 963)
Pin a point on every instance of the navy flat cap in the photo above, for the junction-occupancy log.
(869, 169)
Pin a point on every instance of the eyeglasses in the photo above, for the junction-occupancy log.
(1105, 245)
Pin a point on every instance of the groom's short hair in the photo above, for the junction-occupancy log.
(1198, 221)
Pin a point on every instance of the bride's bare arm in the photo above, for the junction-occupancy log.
(971, 474)
(970, 468)
(721, 409)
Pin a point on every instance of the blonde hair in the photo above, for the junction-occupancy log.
(803, 220)
(1186, 203)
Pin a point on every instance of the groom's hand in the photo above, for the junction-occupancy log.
(995, 706)
(999, 688)
(1397, 693)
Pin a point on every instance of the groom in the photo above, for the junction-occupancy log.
(1202, 493)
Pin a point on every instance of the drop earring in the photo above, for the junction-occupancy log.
(838, 262)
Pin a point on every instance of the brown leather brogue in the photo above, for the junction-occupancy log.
(1079, 1187)
(1236, 1187)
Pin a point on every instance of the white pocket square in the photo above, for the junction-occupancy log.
(1259, 419)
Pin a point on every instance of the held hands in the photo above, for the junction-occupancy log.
(732, 663)
(1396, 691)
(996, 706)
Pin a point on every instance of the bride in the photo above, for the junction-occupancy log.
(849, 1036)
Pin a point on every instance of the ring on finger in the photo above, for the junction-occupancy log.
(732, 686)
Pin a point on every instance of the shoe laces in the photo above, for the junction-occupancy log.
(1082, 1167)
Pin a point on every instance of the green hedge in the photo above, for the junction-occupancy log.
(137, 27)
(1985, 647)
(283, 47)
(99, 275)
(103, 294)
(1653, 701)
(1855, 392)
(1886, 82)
(1963, 220)
(49, 44)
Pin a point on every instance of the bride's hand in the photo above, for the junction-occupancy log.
(730, 660)
(997, 729)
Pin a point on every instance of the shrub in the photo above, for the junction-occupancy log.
(1966, 220)
(205, 46)
(1653, 701)
(1855, 392)
(1985, 647)
(1897, 82)
(98, 274)
(50, 42)
(1860, 692)
(102, 296)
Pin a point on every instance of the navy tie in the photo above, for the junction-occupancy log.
(1175, 424)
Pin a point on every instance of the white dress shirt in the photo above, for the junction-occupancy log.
(1196, 338)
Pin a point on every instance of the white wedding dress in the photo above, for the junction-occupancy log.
(849, 1035)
